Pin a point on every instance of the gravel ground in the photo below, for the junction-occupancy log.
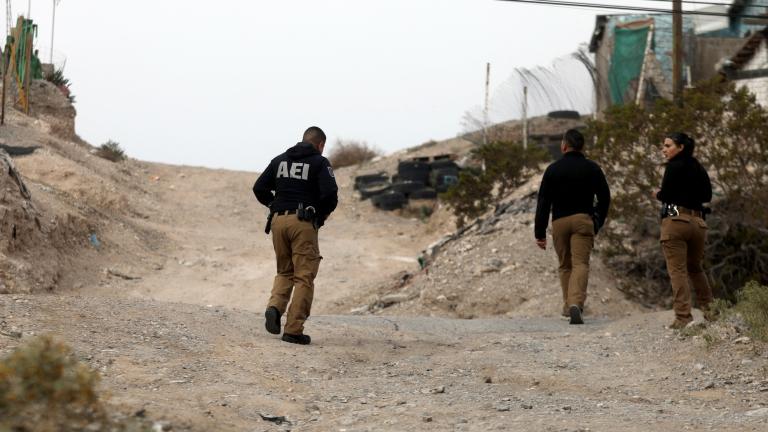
(198, 368)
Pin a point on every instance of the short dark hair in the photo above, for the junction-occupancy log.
(574, 139)
(682, 139)
(314, 135)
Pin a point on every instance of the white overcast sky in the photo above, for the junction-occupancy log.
(230, 84)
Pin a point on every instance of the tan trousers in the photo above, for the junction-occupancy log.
(573, 237)
(298, 259)
(682, 240)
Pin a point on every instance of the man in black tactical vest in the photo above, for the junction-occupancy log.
(300, 190)
(568, 189)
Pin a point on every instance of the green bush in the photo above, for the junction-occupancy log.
(111, 151)
(731, 133)
(58, 79)
(507, 166)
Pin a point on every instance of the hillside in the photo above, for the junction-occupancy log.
(157, 276)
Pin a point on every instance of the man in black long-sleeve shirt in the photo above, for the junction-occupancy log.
(300, 190)
(568, 189)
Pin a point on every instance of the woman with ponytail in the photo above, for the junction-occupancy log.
(684, 190)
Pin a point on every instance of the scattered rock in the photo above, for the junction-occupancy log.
(391, 299)
(526, 406)
(121, 275)
(278, 420)
(436, 390)
(743, 340)
(760, 412)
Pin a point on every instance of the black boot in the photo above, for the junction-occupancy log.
(272, 322)
(300, 339)
(575, 312)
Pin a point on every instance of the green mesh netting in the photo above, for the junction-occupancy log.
(626, 61)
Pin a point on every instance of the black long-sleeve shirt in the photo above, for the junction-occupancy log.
(686, 183)
(569, 186)
(301, 175)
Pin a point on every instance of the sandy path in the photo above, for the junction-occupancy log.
(203, 369)
(217, 252)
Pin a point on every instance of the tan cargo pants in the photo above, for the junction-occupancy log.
(573, 237)
(298, 260)
(682, 240)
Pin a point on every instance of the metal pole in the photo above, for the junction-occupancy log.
(29, 9)
(677, 52)
(525, 118)
(485, 110)
(53, 26)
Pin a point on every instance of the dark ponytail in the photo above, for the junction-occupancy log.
(684, 140)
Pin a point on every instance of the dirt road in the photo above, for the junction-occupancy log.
(213, 368)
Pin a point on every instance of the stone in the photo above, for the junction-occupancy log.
(436, 390)
(391, 299)
(760, 412)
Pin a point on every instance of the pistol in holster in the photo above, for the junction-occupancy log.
(268, 228)
(669, 210)
(307, 214)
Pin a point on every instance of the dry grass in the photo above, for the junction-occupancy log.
(753, 307)
(351, 152)
(43, 387)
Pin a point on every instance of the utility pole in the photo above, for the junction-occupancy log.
(29, 9)
(677, 52)
(8, 15)
(53, 26)
(485, 109)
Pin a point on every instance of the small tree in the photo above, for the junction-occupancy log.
(112, 151)
(731, 133)
(507, 166)
(351, 152)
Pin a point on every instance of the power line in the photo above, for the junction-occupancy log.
(698, 2)
(630, 8)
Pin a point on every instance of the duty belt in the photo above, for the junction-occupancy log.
(683, 210)
(668, 210)
(285, 212)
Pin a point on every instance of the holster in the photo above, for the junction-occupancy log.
(268, 228)
(308, 214)
(669, 210)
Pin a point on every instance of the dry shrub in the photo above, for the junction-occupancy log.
(753, 307)
(43, 387)
(351, 152)
(111, 151)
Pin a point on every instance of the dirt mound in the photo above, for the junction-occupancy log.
(491, 267)
(48, 103)
(33, 249)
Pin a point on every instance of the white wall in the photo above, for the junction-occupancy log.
(758, 86)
